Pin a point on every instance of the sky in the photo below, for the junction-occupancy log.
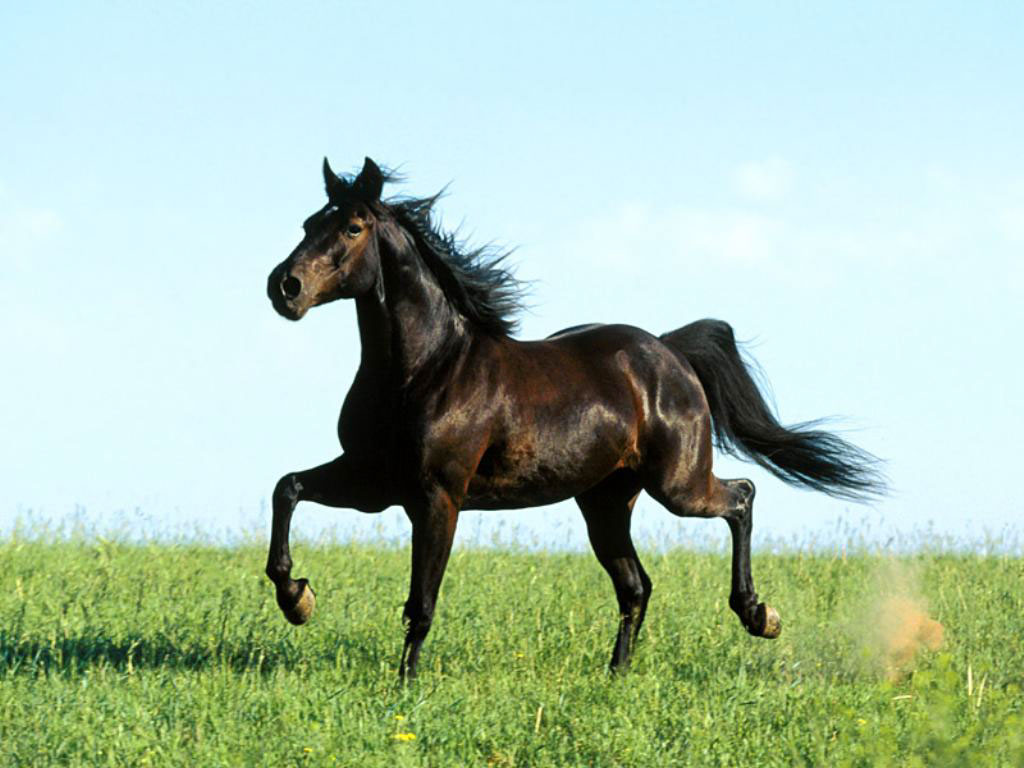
(843, 183)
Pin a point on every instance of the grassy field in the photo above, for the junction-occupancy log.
(115, 654)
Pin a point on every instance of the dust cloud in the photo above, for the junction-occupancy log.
(893, 625)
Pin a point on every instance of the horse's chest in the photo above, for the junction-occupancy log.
(375, 420)
(366, 416)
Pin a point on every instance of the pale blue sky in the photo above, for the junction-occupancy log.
(845, 185)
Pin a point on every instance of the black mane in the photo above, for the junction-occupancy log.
(475, 280)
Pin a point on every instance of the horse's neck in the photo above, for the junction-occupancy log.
(374, 332)
(412, 325)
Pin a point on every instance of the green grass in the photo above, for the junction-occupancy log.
(116, 654)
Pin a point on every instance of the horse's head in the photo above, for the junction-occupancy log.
(338, 257)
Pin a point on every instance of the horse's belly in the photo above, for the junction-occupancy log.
(506, 496)
(509, 495)
(513, 479)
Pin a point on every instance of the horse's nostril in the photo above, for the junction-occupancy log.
(291, 287)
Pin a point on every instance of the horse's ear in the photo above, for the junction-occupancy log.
(332, 181)
(370, 182)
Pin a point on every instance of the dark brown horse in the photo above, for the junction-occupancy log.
(448, 412)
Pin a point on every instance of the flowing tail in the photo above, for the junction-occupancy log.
(743, 424)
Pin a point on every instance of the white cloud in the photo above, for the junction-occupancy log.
(1011, 224)
(23, 229)
(941, 179)
(731, 236)
(720, 235)
(612, 259)
(763, 181)
(38, 223)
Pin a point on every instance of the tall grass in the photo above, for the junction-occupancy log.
(176, 654)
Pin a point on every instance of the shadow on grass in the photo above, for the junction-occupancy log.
(77, 654)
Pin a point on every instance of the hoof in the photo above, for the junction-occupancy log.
(298, 610)
(766, 622)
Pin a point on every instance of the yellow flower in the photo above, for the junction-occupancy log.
(405, 736)
(399, 718)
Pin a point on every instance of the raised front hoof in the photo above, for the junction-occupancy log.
(766, 622)
(297, 604)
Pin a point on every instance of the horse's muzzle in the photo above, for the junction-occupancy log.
(283, 289)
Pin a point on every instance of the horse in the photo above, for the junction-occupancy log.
(449, 412)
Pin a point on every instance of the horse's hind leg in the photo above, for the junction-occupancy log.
(760, 620)
(607, 508)
(732, 500)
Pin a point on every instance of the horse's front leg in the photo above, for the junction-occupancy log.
(433, 528)
(339, 483)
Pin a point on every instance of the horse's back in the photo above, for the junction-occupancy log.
(598, 344)
(573, 329)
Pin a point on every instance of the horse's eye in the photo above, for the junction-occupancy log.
(353, 230)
